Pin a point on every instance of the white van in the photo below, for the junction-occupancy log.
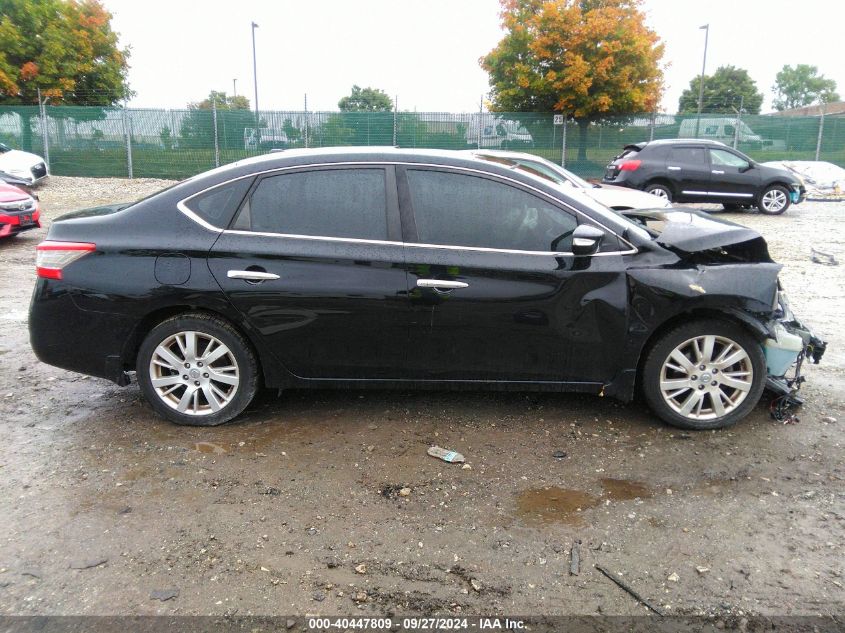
(721, 129)
(497, 133)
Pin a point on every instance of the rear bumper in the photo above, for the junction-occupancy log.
(63, 335)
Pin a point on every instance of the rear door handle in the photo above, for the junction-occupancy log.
(670, 168)
(440, 284)
(718, 171)
(251, 275)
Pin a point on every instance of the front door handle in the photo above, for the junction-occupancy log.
(251, 275)
(440, 284)
(718, 171)
(671, 168)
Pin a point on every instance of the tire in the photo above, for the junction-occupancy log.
(662, 364)
(660, 190)
(774, 200)
(163, 356)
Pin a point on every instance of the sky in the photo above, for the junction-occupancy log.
(425, 52)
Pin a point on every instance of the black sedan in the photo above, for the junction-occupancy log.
(380, 267)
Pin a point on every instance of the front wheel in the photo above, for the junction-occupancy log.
(196, 369)
(659, 190)
(705, 374)
(774, 200)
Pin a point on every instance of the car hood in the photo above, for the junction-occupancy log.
(16, 159)
(691, 231)
(625, 197)
(8, 193)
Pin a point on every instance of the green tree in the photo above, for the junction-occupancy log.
(726, 88)
(233, 116)
(590, 59)
(366, 100)
(65, 48)
(222, 101)
(802, 86)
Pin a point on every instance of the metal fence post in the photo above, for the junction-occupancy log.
(563, 142)
(395, 110)
(216, 139)
(738, 120)
(651, 127)
(127, 130)
(480, 114)
(44, 134)
(306, 119)
(821, 131)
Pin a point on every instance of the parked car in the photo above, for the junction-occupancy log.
(381, 267)
(611, 196)
(723, 129)
(704, 171)
(28, 167)
(18, 211)
(497, 133)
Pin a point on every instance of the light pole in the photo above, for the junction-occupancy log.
(706, 28)
(255, 72)
(234, 87)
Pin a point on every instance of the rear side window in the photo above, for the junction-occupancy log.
(693, 156)
(345, 203)
(460, 210)
(217, 206)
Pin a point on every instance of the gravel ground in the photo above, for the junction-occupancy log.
(326, 503)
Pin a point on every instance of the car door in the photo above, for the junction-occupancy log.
(732, 177)
(688, 171)
(495, 293)
(314, 262)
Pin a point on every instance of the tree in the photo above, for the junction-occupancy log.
(233, 116)
(222, 101)
(728, 87)
(802, 86)
(586, 58)
(366, 100)
(65, 48)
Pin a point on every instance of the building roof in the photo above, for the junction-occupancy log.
(837, 108)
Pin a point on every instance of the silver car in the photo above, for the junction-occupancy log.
(617, 198)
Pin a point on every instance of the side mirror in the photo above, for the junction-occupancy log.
(586, 240)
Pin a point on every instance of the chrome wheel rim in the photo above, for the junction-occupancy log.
(774, 200)
(660, 193)
(706, 377)
(194, 373)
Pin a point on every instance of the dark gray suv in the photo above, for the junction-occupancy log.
(693, 170)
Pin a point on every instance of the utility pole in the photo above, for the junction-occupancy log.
(234, 87)
(255, 73)
(706, 28)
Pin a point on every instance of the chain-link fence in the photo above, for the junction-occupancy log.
(91, 141)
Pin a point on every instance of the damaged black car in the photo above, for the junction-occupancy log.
(391, 268)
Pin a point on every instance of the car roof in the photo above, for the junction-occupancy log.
(675, 141)
(503, 153)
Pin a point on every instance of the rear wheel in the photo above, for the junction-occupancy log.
(706, 374)
(660, 190)
(774, 200)
(196, 369)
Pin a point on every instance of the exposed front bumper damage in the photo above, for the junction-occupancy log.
(781, 353)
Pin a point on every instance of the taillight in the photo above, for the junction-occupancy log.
(51, 257)
(630, 165)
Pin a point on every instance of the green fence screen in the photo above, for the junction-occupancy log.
(91, 141)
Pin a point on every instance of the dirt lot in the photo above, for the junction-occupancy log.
(299, 507)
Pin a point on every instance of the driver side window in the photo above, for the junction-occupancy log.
(460, 210)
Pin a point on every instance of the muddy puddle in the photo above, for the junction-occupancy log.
(560, 505)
